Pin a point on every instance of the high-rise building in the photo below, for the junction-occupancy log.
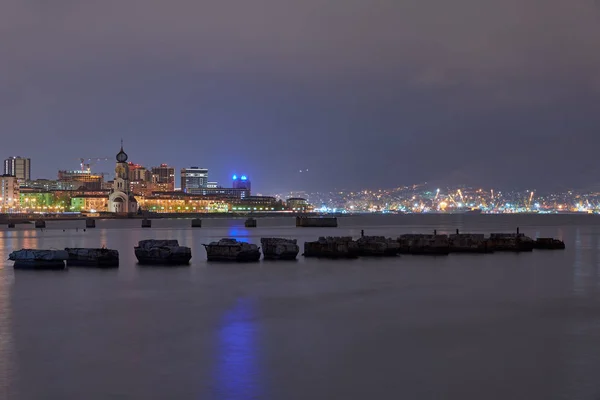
(164, 176)
(9, 193)
(138, 173)
(242, 183)
(19, 167)
(193, 179)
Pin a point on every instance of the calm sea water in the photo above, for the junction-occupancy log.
(499, 326)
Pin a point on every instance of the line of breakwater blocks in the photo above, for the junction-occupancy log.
(41, 223)
(301, 221)
(169, 252)
(380, 246)
(426, 244)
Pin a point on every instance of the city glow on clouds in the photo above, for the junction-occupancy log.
(365, 94)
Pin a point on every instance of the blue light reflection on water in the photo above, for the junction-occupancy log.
(238, 233)
(237, 366)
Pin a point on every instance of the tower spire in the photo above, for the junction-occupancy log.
(122, 156)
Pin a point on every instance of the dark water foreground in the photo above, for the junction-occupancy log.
(498, 326)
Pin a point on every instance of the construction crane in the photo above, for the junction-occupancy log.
(90, 161)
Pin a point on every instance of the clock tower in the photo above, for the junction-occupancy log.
(121, 200)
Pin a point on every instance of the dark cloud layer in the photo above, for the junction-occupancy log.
(378, 93)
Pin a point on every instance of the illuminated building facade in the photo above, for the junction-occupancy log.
(83, 179)
(179, 202)
(90, 203)
(297, 204)
(194, 179)
(48, 185)
(9, 193)
(164, 175)
(242, 182)
(224, 192)
(257, 203)
(19, 167)
(138, 173)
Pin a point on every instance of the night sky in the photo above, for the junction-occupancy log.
(363, 94)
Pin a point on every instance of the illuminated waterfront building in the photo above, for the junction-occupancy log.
(179, 202)
(90, 203)
(19, 167)
(194, 179)
(257, 203)
(237, 193)
(9, 193)
(297, 204)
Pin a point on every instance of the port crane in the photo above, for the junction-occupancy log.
(454, 201)
(529, 202)
(461, 195)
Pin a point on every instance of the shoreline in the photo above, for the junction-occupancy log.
(31, 218)
(27, 219)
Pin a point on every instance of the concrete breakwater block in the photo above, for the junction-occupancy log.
(332, 247)
(279, 248)
(377, 246)
(421, 244)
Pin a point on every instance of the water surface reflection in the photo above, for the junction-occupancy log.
(237, 353)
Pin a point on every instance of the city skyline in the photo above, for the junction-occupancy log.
(382, 93)
(102, 166)
(227, 181)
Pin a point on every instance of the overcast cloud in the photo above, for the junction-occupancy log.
(362, 93)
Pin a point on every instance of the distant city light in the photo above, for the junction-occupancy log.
(234, 177)
(244, 177)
